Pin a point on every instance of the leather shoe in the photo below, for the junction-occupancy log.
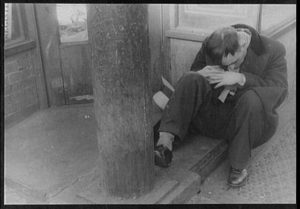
(237, 177)
(162, 156)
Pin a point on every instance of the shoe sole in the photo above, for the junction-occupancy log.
(243, 183)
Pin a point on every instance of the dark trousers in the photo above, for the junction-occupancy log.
(194, 107)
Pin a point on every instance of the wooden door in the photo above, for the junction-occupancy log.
(66, 56)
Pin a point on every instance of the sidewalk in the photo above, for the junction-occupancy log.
(59, 145)
(272, 174)
(51, 158)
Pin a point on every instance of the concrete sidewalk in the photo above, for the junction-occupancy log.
(51, 158)
(272, 171)
(48, 152)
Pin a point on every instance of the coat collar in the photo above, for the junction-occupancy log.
(256, 43)
(253, 62)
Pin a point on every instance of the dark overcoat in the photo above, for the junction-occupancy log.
(265, 70)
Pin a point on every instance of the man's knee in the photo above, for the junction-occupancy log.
(191, 77)
(251, 101)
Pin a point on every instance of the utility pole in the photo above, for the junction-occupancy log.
(118, 36)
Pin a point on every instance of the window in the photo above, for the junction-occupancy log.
(276, 14)
(196, 21)
(209, 17)
(13, 27)
(72, 21)
(16, 36)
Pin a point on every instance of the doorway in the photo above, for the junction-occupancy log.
(65, 52)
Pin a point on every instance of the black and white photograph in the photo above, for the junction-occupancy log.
(147, 104)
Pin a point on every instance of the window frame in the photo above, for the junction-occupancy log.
(277, 29)
(70, 43)
(23, 42)
(274, 31)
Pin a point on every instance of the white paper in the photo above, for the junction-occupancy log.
(160, 99)
(167, 84)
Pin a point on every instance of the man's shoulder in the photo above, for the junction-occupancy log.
(272, 46)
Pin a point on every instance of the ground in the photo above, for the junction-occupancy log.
(51, 161)
(272, 175)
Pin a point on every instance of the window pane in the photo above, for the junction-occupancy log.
(72, 20)
(12, 28)
(208, 17)
(274, 14)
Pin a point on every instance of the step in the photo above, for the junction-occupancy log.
(192, 162)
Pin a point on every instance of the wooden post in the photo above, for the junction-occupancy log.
(118, 36)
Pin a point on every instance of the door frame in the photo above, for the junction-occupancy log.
(48, 34)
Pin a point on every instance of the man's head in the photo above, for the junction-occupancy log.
(227, 46)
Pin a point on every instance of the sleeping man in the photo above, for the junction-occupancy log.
(236, 82)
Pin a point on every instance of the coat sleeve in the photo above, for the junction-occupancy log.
(275, 74)
(200, 60)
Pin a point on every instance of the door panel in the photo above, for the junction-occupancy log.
(77, 73)
(66, 55)
(75, 52)
(48, 35)
(182, 56)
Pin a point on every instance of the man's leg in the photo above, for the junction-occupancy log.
(244, 131)
(191, 92)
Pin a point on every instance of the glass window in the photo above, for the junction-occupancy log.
(274, 14)
(13, 29)
(208, 17)
(72, 20)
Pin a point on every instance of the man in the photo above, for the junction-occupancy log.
(237, 81)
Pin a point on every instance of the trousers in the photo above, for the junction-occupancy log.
(194, 107)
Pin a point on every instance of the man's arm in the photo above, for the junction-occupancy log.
(275, 73)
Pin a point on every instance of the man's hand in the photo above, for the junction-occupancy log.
(225, 79)
(210, 70)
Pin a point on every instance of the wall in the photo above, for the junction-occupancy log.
(289, 41)
(24, 89)
(172, 52)
(186, 27)
(175, 38)
(177, 33)
(183, 54)
(156, 44)
(20, 92)
(287, 111)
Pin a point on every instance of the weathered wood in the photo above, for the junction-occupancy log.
(155, 43)
(48, 34)
(76, 67)
(118, 36)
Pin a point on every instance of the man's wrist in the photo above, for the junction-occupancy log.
(242, 80)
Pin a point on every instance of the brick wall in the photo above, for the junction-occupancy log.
(20, 90)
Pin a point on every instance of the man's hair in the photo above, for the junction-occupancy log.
(221, 42)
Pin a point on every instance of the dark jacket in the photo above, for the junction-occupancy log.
(265, 70)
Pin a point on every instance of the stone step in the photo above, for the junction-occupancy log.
(202, 168)
(211, 160)
(192, 162)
